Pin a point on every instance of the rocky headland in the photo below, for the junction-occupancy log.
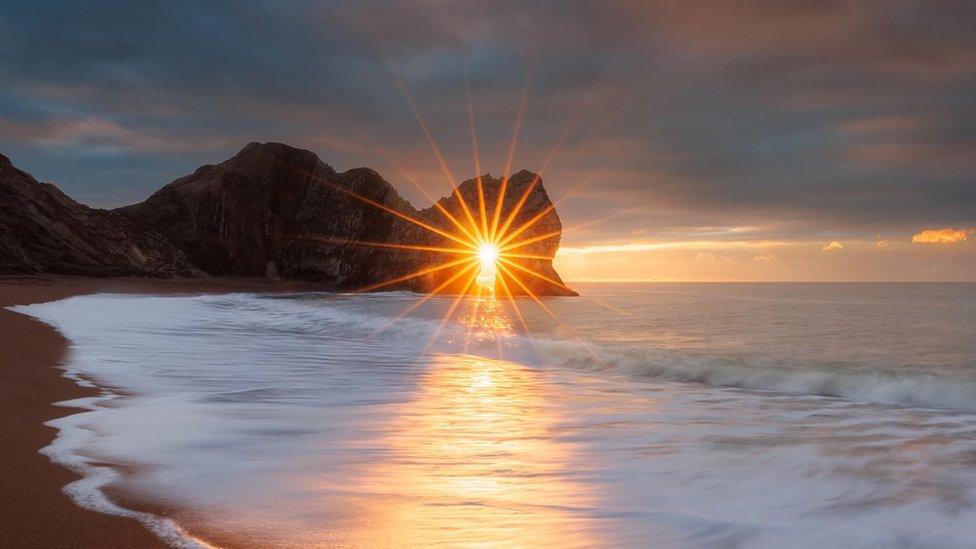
(271, 211)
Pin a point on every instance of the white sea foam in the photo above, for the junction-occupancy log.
(316, 420)
(68, 450)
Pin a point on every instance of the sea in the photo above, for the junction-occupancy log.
(636, 415)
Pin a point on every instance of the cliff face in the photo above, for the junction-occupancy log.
(277, 211)
(42, 230)
(273, 210)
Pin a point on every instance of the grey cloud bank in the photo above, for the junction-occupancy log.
(832, 119)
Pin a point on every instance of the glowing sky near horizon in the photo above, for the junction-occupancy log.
(727, 141)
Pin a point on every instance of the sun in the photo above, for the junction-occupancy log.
(488, 255)
(488, 259)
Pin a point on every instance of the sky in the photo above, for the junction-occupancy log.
(711, 141)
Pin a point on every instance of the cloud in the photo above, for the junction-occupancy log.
(797, 261)
(947, 235)
(787, 116)
(706, 257)
(832, 245)
(885, 125)
(670, 245)
(98, 135)
(880, 242)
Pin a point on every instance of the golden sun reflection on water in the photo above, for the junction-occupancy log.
(473, 462)
(485, 316)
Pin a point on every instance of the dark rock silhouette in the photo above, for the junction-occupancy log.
(244, 217)
(42, 230)
(272, 211)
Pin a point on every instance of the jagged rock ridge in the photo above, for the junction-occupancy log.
(271, 210)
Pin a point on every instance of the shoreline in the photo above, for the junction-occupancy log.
(295, 479)
(34, 509)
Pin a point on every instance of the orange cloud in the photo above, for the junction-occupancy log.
(832, 245)
(674, 245)
(706, 257)
(947, 235)
(764, 258)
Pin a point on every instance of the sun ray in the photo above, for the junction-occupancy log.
(499, 201)
(524, 256)
(518, 313)
(517, 130)
(535, 219)
(450, 311)
(527, 225)
(391, 245)
(608, 306)
(415, 274)
(454, 221)
(538, 177)
(470, 329)
(436, 291)
(518, 206)
(406, 174)
(467, 213)
(528, 291)
(437, 152)
(376, 204)
(535, 274)
(500, 198)
(483, 214)
(481, 208)
(405, 217)
(471, 323)
(569, 194)
(599, 220)
(527, 241)
(563, 286)
(548, 311)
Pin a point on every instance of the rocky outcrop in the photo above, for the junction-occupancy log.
(277, 211)
(248, 216)
(42, 230)
(535, 222)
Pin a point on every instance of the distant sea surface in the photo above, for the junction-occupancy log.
(638, 415)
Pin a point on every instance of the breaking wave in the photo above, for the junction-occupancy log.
(914, 390)
(798, 378)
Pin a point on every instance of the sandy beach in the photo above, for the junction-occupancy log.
(34, 512)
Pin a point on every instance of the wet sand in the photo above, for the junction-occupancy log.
(34, 512)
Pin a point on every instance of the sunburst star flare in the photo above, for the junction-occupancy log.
(531, 238)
